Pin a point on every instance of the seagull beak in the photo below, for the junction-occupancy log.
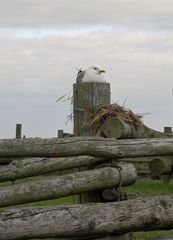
(101, 71)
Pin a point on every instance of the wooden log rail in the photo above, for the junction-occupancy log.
(86, 220)
(161, 165)
(111, 237)
(69, 184)
(120, 129)
(119, 237)
(99, 147)
(27, 167)
(122, 237)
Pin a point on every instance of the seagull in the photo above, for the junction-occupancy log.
(91, 74)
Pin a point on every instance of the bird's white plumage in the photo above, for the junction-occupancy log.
(91, 74)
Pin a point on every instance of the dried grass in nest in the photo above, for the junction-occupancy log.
(102, 112)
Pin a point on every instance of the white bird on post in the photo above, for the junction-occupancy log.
(91, 74)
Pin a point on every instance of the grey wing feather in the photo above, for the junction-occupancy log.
(80, 76)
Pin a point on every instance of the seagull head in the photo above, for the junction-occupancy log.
(95, 70)
(92, 74)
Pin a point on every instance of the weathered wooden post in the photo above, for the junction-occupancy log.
(167, 129)
(86, 96)
(60, 133)
(18, 130)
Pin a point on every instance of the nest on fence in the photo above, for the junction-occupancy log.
(102, 112)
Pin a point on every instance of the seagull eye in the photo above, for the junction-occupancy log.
(95, 68)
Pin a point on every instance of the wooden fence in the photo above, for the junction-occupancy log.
(98, 167)
(86, 220)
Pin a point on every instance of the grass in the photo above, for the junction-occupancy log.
(148, 235)
(151, 187)
(53, 202)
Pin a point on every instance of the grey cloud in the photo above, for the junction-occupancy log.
(34, 72)
(44, 63)
(75, 13)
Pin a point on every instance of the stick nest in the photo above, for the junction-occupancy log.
(101, 113)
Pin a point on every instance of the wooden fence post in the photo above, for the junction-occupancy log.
(86, 96)
(18, 130)
(60, 133)
(167, 129)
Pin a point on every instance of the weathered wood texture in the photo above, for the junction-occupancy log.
(119, 237)
(86, 96)
(4, 161)
(142, 214)
(99, 147)
(69, 184)
(27, 167)
(60, 133)
(119, 129)
(160, 165)
(168, 130)
(18, 130)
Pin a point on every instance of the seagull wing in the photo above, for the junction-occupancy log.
(80, 76)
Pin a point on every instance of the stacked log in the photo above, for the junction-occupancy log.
(162, 167)
(64, 154)
(115, 127)
(98, 147)
(28, 167)
(70, 184)
(88, 220)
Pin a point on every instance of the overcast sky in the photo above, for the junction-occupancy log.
(43, 41)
